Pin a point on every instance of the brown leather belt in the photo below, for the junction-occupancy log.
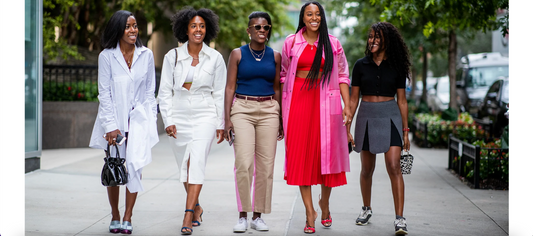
(258, 99)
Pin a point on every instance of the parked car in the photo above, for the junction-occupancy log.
(439, 95)
(495, 106)
(477, 73)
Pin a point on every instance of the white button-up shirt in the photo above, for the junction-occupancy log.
(120, 89)
(209, 78)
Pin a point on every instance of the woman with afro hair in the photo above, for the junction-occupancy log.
(381, 123)
(191, 100)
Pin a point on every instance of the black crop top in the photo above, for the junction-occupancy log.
(372, 79)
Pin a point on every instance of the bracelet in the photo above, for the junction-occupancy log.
(405, 129)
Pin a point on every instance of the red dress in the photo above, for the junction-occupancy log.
(303, 133)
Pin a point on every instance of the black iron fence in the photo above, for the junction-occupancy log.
(74, 82)
(478, 165)
(70, 83)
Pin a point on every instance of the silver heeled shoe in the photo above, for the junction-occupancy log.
(115, 226)
(126, 228)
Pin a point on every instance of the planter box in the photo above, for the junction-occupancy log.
(466, 160)
(70, 124)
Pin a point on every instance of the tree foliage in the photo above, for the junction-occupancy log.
(81, 22)
(451, 17)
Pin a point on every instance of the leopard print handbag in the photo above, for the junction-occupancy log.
(406, 162)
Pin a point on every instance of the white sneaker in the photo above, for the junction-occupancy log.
(259, 224)
(241, 226)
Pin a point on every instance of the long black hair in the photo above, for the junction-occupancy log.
(114, 30)
(180, 23)
(260, 14)
(312, 79)
(395, 48)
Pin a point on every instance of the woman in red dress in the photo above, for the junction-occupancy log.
(314, 77)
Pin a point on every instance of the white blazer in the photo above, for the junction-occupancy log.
(124, 96)
(209, 78)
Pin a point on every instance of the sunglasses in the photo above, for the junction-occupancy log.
(258, 27)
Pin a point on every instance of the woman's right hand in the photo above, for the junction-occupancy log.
(171, 131)
(228, 126)
(111, 137)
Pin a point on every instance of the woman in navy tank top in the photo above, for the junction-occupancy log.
(252, 120)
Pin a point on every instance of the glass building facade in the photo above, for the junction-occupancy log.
(33, 83)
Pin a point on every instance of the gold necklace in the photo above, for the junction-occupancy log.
(130, 61)
(259, 56)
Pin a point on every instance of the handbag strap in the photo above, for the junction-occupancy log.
(108, 154)
(175, 64)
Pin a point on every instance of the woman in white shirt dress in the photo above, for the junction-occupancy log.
(126, 86)
(191, 100)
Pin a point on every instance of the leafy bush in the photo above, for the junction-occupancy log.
(76, 91)
(493, 165)
(438, 130)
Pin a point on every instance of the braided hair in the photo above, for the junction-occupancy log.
(395, 48)
(312, 80)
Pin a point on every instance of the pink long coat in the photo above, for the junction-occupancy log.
(334, 141)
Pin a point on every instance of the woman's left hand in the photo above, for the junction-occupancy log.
(346, 115)
(220, 135)
(281, 134)
(406, 143)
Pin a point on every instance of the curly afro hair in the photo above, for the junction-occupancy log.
(395, 48)
(180, 22)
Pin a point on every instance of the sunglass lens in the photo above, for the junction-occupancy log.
(266, 27)
(257, 27)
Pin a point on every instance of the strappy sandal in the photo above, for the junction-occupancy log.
(196, 221)
(328, 221)
(310, 229)
(187, 230)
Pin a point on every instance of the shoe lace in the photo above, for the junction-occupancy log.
(242, 220)
(259, 221)
(401, 222)
(364, 213)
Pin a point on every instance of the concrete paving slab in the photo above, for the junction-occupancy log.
(65, 197)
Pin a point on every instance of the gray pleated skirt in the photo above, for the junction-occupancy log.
(377, 118)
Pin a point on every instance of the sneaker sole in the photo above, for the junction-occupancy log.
(361, 223)
(253, 227)
(239, 231)
(401, 232)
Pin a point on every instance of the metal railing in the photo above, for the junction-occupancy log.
(74, 82)
(465, 159)
(70, 82)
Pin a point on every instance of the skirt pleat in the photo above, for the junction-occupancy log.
(303, 153)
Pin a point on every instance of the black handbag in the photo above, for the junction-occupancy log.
(406, 162)
(114, 172)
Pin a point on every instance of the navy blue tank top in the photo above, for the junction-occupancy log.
(256, 78)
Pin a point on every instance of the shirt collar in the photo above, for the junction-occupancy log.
(206, 50)
(300, 37)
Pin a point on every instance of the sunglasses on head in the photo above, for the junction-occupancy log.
(258, 27)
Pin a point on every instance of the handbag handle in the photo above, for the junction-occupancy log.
(107, 153)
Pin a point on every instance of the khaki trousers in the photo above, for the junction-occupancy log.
(256, 127)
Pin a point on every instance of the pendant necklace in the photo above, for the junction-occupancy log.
(257, 57)
(130, 61)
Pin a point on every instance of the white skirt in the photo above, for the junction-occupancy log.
(195, 118)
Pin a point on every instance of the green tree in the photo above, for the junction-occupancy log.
(450, 16)
(81, 22)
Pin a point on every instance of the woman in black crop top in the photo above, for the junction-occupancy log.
(381, 124)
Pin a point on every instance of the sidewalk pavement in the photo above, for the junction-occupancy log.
(65, 197)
